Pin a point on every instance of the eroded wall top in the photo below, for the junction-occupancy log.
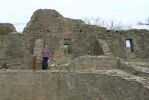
(6, 28)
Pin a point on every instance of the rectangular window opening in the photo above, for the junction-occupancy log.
(67, 46)
(129, 44)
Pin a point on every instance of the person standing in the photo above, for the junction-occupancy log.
(45, 56)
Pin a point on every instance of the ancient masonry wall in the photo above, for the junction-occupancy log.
(6, 28)
(63, 85)
(14, 52)
(58, 31)
(139, 43)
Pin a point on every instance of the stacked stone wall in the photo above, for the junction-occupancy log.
(45, 85)
(117, 43)
(6, 28)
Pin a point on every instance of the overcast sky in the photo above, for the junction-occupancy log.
(19, 12)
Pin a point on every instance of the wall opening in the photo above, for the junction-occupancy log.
(67, 46)
(129, 44)
(80, 31)
(97, 49)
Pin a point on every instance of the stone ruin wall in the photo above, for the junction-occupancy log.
(92, 69)
(117, 43)
(46, 26)
(6, 28)
(14, 52)
(64, 85)
(54, 29)
(13, 49)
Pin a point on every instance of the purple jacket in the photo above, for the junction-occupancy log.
(45, 52)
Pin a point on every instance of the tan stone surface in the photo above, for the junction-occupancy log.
(63, 85)
(6, 28)
(38, 47)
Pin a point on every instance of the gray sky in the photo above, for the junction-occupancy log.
(128, 12)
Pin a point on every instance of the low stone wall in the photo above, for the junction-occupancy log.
(64, 85)
(94, 62)
(134, 69)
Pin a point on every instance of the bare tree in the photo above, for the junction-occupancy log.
(98, 21)
(145, 22)
(113, 25)
(129, 27)
(87, 20)
(94, 21)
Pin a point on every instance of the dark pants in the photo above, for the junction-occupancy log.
(45, 63)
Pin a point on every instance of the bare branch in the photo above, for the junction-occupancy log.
(87, 20)
(145, 22)
(94, 21)
(98, 21)
(114, 25)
